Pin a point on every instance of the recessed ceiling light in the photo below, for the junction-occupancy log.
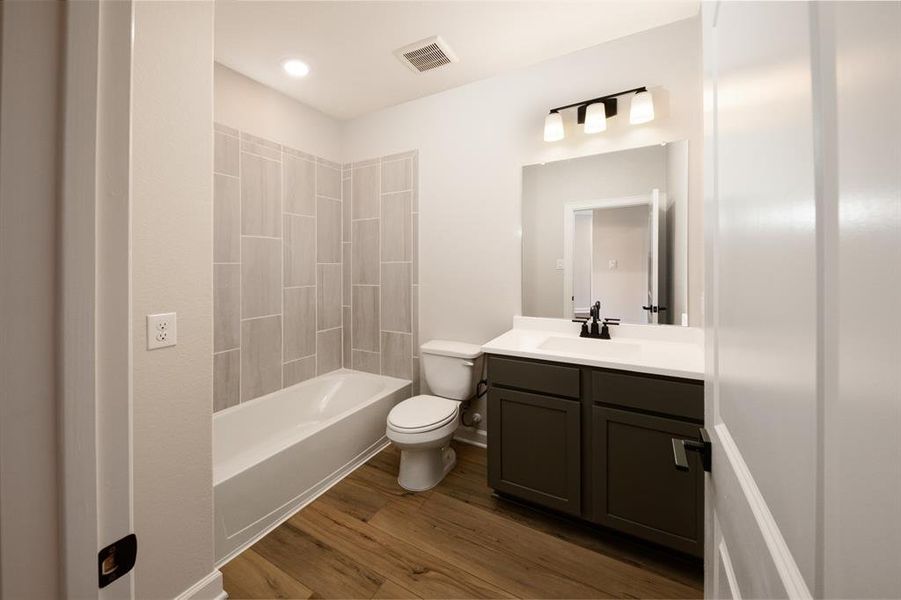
(295, 67)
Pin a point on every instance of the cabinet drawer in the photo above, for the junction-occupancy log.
(637, 488)
(535, 451)
(675, 397)
(545, 378)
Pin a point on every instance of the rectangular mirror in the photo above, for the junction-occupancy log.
(611, 228)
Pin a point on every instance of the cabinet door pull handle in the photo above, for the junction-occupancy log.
(702, 447)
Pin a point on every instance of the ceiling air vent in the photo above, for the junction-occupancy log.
(426, 54)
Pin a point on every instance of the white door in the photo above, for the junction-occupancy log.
(655, 229)
(582, 263)
(803, 496)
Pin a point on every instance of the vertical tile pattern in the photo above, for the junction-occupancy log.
(226, 219)
(226, 379)
(280, 313)
(328, 351)
(365, 318)
(397, 360)
(261, 356)
(380, 265)
(299, 370)
(300, 250)
(395, 295)
(365, 252)
(365, 192)
(300, 185)
(328, 230)
(261, 202)
(328, 291)
(226, 307)
(397, 227)
(300, 323)
(261, 277)
(315, 266)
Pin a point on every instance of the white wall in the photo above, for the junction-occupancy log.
(30, 132)
(250, 106)
(474, 141)
(172, 158)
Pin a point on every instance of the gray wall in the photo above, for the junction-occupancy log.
(547, 188)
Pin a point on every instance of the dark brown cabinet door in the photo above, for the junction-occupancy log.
(637, 489)
(534, 451)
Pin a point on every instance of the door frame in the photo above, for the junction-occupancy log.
(95, 445)
(569, 224)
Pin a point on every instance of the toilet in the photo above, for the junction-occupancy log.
(422, 426)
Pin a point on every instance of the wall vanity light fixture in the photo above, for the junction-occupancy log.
(553, 127)
(593, 114)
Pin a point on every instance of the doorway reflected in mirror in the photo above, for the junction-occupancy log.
(610, 228)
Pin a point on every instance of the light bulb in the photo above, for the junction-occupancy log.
(596, 118)
(295, 67)
(642, 109)
(553, 127)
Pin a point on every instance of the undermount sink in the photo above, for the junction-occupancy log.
(591, 347)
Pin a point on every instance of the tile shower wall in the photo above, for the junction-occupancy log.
(380, 266)
(277, 267)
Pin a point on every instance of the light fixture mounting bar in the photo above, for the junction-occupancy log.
(609, 103)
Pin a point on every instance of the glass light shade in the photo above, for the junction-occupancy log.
(642, 109)
(553, 127)
(596, 118)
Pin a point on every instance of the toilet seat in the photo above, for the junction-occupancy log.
(423, 413)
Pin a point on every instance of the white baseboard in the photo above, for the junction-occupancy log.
(208, 588)
(472, 436)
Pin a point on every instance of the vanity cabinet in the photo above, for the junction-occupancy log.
(537, 454)
(597, 444)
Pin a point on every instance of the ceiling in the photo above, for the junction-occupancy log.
(349, 45)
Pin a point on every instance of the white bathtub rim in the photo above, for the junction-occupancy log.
(395, 385)
(398, 382)
(294, 506)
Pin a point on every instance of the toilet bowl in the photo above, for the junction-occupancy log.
(423, 426)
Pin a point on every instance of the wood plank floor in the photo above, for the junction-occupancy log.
(368, 538)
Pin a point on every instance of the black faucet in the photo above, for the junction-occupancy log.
(605, 330)
(598, 332)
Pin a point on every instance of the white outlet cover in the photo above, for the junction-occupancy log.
(162, 330)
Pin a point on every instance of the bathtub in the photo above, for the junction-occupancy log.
(275, 454)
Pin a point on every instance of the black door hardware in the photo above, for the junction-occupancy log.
(702, 447)
(116, 560)
(654, 308)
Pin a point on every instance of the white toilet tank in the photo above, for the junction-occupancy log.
(452, 369)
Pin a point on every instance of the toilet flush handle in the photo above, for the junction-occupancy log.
(468, 363)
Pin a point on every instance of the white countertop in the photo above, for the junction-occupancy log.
(655, 349)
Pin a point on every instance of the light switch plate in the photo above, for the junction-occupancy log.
(559, 265)
(162, 330)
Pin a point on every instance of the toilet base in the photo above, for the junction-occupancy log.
(423, 469)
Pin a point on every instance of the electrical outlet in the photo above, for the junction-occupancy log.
(161, 331)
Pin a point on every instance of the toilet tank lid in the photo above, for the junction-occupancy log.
(448, 348)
